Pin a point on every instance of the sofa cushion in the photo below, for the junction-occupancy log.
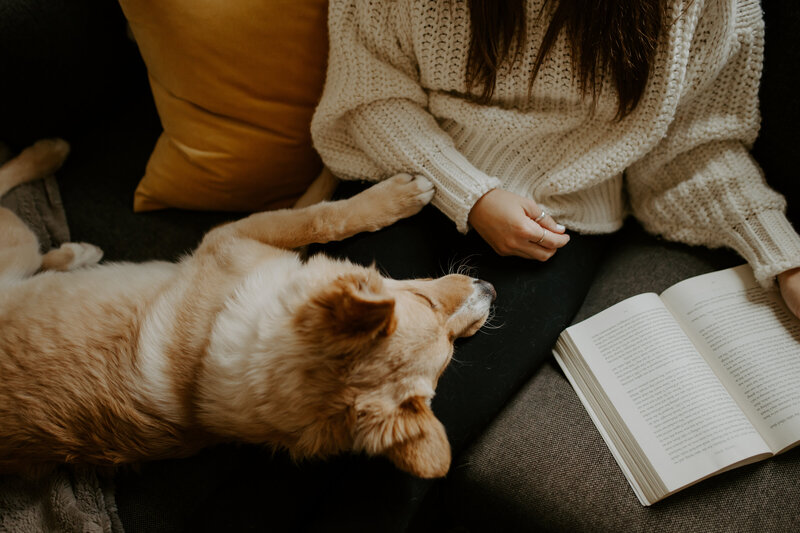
(235, 84)
(543, 464)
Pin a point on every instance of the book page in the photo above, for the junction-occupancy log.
(752, 342)
(668, 397)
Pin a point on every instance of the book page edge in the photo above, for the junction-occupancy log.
(606, 438)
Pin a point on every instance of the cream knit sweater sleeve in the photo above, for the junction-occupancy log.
(699, 185)
(379, 124)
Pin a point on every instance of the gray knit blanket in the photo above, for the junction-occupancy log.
(70, 500)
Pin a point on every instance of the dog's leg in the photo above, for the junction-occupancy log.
(35, 162)
(19, 248)
(71, 256)
(19, 251)
(379, 206)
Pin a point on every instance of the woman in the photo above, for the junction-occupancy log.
(535, 116)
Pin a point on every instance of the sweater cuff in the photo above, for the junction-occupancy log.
(465, 185)
(769, 243)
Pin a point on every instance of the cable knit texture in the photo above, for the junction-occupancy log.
(396, 100)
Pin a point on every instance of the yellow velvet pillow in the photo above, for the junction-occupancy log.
(235, 83)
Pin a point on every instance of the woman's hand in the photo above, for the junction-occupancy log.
(789, 282)
(508, 223)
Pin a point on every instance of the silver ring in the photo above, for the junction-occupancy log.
(540, 217)
(544, 232)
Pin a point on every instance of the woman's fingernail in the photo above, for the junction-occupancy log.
(560, 228)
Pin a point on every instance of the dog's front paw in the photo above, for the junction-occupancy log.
(390, 200)
(404, 195)
(414, 192)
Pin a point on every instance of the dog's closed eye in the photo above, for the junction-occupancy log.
(426, 299)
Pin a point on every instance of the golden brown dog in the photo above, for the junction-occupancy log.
(241, 341)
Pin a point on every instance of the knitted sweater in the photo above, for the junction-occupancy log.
(395, 100)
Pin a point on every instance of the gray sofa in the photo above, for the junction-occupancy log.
(541, 464)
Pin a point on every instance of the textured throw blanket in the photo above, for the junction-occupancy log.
(39, 205)
(70, 500)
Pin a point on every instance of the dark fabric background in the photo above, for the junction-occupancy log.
(69, 70)
(776, 147)
(64, 64)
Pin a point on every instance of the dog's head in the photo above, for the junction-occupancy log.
(381, 347)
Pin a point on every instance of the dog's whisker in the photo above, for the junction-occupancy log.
(451, 265)
(492, 323)
(465, 268)
(462, 266)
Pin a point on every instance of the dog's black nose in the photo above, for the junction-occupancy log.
(486, 288)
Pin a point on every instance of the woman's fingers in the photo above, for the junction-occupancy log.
(508, 223)
(551, 225)
(789, 283)
(532, 241)
(544, 237)
(541, 217)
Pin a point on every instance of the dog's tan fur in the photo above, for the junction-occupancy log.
(241, 341)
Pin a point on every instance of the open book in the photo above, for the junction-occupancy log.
(683, 386)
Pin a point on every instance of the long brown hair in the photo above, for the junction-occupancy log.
(606, 37)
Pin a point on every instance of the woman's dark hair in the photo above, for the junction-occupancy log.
(617, 38)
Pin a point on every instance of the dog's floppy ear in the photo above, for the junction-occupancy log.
(353, 307)
(360, 306)
(426, 453)
(409, 435)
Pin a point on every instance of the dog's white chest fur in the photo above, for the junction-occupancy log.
(256, 312)
(249, 327)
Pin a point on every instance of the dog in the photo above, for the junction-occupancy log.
(243, 340)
